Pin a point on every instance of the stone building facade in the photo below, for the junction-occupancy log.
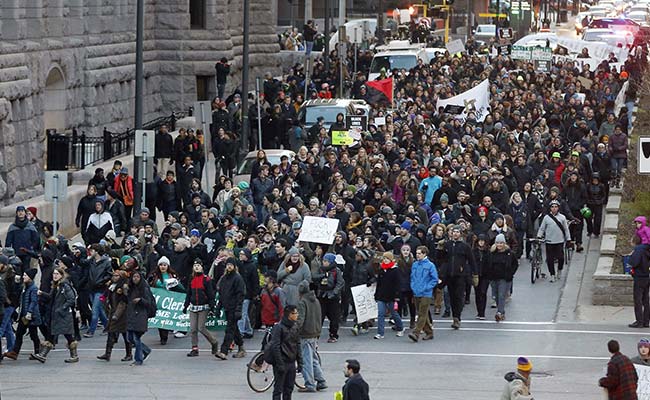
(70, 64)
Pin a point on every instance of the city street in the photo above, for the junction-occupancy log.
(568, 359)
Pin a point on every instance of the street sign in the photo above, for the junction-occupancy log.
(56, 185)
(644, 155)
(203, 119)
(56, 189)
(145, 143)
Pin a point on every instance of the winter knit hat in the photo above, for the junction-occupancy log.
(294, 251)
(31, 273)
(163, 260)
(330, 258)
(523, 364)
(500, 238)
(32, 210)
(231, 260)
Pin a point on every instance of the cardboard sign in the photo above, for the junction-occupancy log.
(364, 302)
(643, 385)
(318, 230)
(341, 138)
(379, 121)
(455, 46)
(542, 66)
(170, 313)
(357, 121)
(541, 54)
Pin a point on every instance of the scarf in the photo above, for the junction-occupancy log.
(387, 266)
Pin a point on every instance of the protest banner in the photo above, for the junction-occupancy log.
(455, 46)
(643, 384)
(476, 99)
(357, 121)
(169, 313)
(364, 302)
(318, 230)
(379, 121)
(341, 138)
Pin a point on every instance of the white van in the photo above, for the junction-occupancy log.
(398, 54)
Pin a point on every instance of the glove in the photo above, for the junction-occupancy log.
(237, 315)
(475, 280)
(28, 316)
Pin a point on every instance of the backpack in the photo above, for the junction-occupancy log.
(269, 358)
(151, 305)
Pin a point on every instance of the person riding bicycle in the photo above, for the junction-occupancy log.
(555, 231)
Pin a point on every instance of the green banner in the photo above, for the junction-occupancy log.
(170, 313)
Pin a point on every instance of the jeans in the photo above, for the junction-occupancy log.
(97, 313)
(381, 314)
(501, 286)
(221, 90)
(617, 166)
(6, 329)
(140, 348)
(309, 46)
(244, 323)
(311, 369)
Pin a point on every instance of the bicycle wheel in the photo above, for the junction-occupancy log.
(259, 380)
(300, 381)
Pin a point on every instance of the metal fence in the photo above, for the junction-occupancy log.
(76, 151)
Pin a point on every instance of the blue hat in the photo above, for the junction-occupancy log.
(195, 232)
(20, 208)
(406, 225)
(330, 258)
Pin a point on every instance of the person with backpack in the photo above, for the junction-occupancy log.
(199, 300)
(330, 283)
(272, 299)
(62, 298)
(310, 324)
(284, 353)
(232, 291)
(140, 308)
(29, 317)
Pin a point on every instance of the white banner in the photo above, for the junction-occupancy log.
(598, 50)
(476, 99)
(364, 302)
(318, 230)
(620, 98)
(455, 46)
(643, 385)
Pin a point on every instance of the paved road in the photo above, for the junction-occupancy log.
(470, 363)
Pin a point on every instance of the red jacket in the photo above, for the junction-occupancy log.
(125, 189)
(621, 378)
(272, 306)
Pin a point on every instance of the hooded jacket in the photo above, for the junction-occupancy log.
(232, 290)
(22, 233)
(285, 344)
(330, 282)
(309, 321)
(499, 265)
(517, 387)
(99, 224)
(644, 230)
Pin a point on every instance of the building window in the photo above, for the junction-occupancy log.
(203, 87)
(197, 14)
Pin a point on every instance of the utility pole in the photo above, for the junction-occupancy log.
(244, 83)
(139, 78)
(496, 22)
(380, 23)
(341, 13)
(327, 35)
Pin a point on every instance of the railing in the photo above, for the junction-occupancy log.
(77, 151)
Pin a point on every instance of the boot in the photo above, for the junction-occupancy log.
(11, 355)
(456, 323)
(74, 357)
(129, 355)
(241, 353)
(45, 349)
(107, 354)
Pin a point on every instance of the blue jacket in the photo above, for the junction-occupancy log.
(22, 234)
(29, 304)
(432, 183)
(424, 277)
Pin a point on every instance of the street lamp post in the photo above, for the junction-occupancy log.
(139, 78)
(244, 84)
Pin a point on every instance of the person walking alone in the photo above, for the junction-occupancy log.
(424, 278)
(232, 291)
(355, 388)
(199, 301)
(621, 380)
(640, 262)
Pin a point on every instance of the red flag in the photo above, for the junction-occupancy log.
(378, 88)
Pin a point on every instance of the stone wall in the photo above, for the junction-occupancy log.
(90, 45)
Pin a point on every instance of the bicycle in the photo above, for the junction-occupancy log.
(536, 261)
(569, 248)
(259, 373)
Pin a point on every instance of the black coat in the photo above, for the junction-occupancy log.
(62, 300)
(232, 290)
(285, 343)
(248, 272)
(356, 388)
(136, 313)
(164, 147)
(499, 265)
(388, 285)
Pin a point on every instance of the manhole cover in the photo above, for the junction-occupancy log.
(541, 374)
